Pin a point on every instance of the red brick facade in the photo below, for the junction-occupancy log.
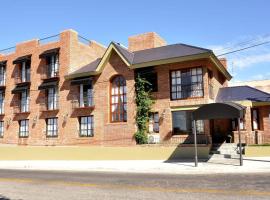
(74, 55)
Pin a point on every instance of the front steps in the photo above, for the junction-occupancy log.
(224, 152)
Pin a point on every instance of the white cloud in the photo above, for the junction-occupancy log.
(246, 58)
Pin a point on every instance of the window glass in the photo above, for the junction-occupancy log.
(1, 128)
(186, 83)
(52, 127)
(86, 126)
(182, 123)
(118, 99)
(24, 128)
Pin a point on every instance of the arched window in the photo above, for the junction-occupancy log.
(118, 99)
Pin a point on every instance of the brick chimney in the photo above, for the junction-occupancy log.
(223, 62)
(145, 41)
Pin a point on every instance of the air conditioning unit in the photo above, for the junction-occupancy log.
(153, 138)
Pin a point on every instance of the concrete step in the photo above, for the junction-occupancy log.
(223, 152)
(218, 156)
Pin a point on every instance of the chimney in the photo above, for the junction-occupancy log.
(223, 62)
(145, 41)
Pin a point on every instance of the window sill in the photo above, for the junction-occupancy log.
(187, 98)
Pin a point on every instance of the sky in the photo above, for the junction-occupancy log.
(222, 25)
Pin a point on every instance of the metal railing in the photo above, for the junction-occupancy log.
(50, 71)
(49, 105)
(52, 38)
(87, 102)
(8, 50)
(21, 107)
(84, 40)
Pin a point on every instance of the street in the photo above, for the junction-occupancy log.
(35, 185)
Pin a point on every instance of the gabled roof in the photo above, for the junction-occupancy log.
(167, 52)
(242, 93)
(156, 56)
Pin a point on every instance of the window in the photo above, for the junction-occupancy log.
(154, 122)
(52, 127)
(25, 101)
(150, 76)
(186, 83)
(118, 99)
(53, 66)
(1, 128)
(255, 119)
(24, 128)
(86, 95)
(86, 126)
(182, 123)
(2, 96)
(2, 74)
(25, 71)
(52, 95)
(235, 124)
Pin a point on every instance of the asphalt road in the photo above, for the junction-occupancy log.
(36, 185)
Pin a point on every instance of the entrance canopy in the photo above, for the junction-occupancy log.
(227, 110)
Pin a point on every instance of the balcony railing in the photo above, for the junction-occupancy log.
(50, 71)
(49, 105)
(21, 107)
(87, 102)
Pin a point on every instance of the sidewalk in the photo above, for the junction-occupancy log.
(251, 165)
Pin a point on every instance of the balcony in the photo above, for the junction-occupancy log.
(21, 107)
(49, 105)
(86, 103)
(50, 72)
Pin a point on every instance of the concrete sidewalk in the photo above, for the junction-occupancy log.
(251, 165)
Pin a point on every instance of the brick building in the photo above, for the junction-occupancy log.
(69, 92)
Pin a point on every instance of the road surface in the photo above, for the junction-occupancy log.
(47, 185)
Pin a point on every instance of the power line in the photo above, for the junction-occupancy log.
(230, 52)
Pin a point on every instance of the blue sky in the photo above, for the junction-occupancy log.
(207, 23)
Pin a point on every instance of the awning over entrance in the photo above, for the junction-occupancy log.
(227, 110)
